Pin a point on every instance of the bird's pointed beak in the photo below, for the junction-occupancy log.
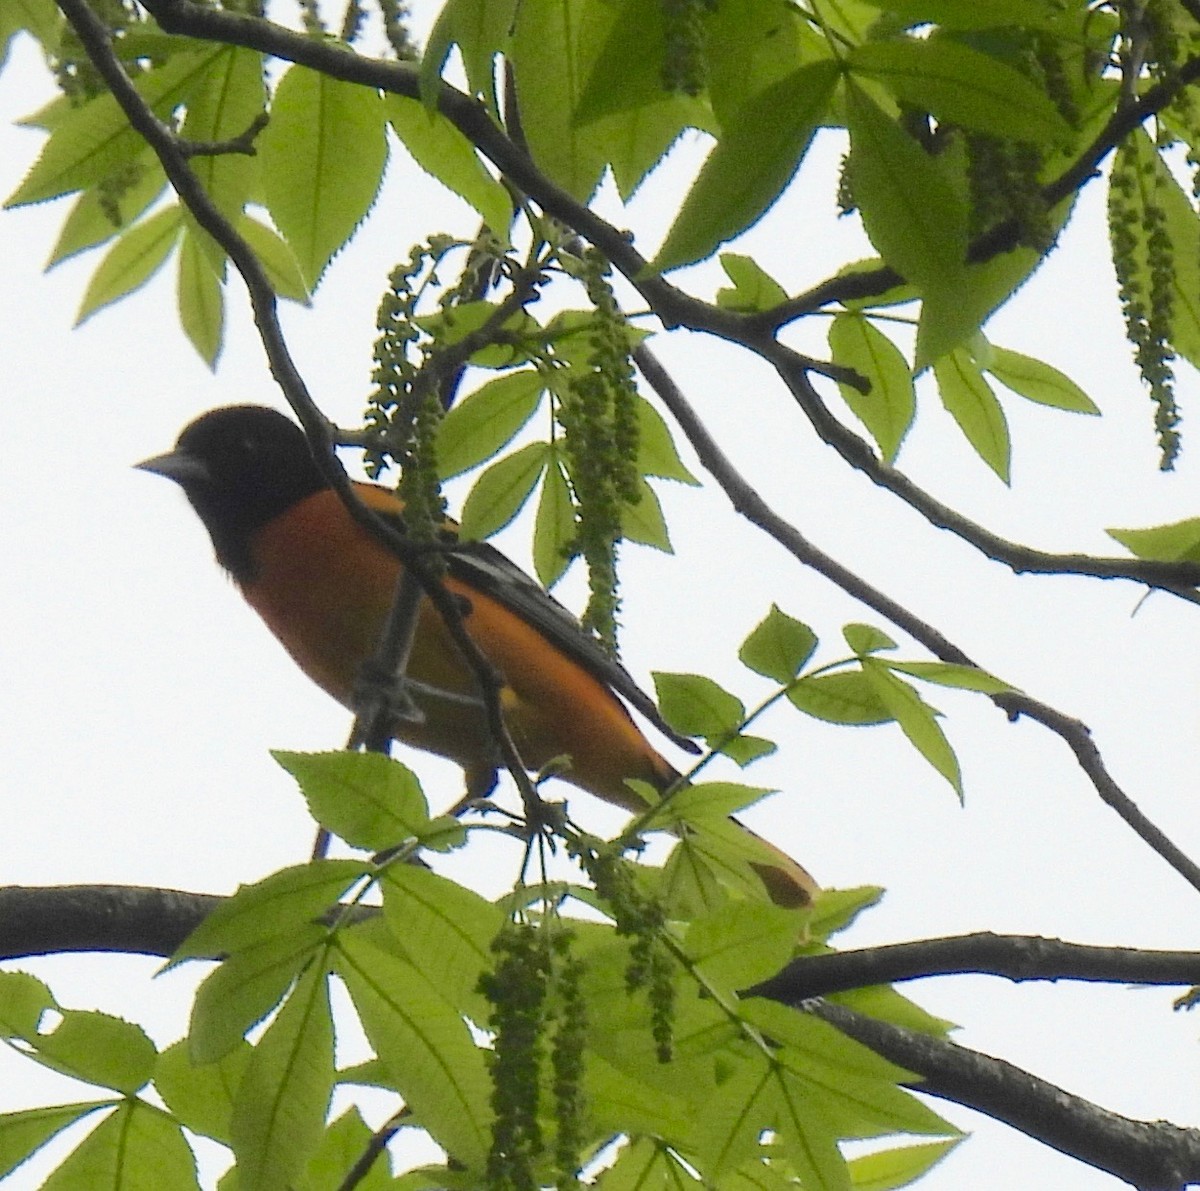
(175, 465)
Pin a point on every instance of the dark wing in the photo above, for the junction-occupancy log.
(483, 567)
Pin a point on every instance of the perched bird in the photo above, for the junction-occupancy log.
(324, 585)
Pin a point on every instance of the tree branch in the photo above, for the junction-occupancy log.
(1015, 957)
(751, 505)
(1177, 578)
(1152, 1155)
(672, 306)
(1005, 236)
(132, 920)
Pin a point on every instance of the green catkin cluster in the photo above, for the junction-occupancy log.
(1137, 225)
(536, 996)
(517, 991)
(352, 21)
(396, 17)
(640, 918)
(77, 78)
(1050, 69)
(685, 62)
(1004, 180)
(405, 413)
(598, 414)
(310, 17)
(566, 1058)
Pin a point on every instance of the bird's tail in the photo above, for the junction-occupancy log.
(787, 881)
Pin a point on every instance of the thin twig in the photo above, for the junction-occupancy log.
(1179, 579)
(747, 501)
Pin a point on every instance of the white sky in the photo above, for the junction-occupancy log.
(142, 696)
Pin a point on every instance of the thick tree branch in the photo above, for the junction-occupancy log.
(1151, 1155)
(746, 500)
(113, 918)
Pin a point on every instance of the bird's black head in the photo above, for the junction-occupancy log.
(240, 466)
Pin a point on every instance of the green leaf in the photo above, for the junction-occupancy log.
(967, 14)
(271, 909)
(1177, 542)
(645, 1164)
(41, 18)
(441, 150)
(200, 1095)
(443, 929)
(101, 212)
(968, 678)
(855, 1087)
(136, 1148)
(752, 163)
(753, 288)
(96, 141)
(959, 85)
(343, 1145)
(281, 1101)
(22, 1134)
(744, 749)
(368, 799)
(432, 1057)
(478, 426)
(1037, 381)
(322, 159)
(865, 638)
(887, 410)
(898, 295)
(697, 706)
(502, 490)
(778, 646)
(554, 526)
(23, 1000)
(731, 854)
(743, 942)
(917, 720)
(703, 803)
(643, 521)
(132, 261)
(232, 97)
(96, 1048)
(276, 258)
(842, 698)
(201, 306)
(912, 212)
(245, 988)
(636, 141)
(973, 405)
(888, 1169)
(627, 71)
(956, 307)
(657, 455)
(551, 61)
(480, 29)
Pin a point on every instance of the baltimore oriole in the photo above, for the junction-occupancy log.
(323, 584)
